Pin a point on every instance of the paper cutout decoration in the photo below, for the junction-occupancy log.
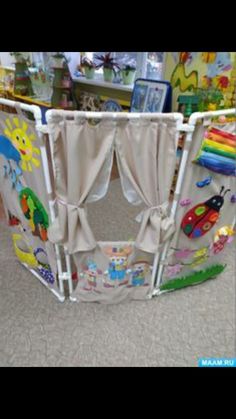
(185, 202)
(218, 152)
(23, 256)
(199, 261)
(183, 253)
(233, 199)
(8, 150)
(12, 220)
(204, 182)
(172, 270)
(201, 252)
(44, 268)
(16, 131)
(201, 218)
(35, 212)
(224, 231)
(193, 279)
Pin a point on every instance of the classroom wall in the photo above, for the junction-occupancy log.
(190, 70)
(6, 59)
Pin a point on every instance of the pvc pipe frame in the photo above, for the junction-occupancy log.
(180, 127)
(36, 111)
(189, 128)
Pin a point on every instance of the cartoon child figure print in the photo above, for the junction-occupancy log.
(90, 274)
(139, 272)
(118, 262)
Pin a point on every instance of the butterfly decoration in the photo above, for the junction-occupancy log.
(201, 252)
(198, 261)
(183, 253)
(204, 182)
(185, 202)
(13, 175)
(173, 270)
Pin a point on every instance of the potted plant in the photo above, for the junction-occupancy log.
(128, 73)
(109, 66)
(20, 58)
(89, 68)
(59, 59)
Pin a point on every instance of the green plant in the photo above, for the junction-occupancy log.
(86, 62)
(107, 62)
(20, 57)
(128, 67)
(193, 279)
(59, 55)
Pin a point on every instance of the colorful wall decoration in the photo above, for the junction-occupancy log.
(188, 71)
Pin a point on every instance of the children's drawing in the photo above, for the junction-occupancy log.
(35, 212)
(202, 217)
(208, 57)
(221, 64)
(16, 131)
(179, 77)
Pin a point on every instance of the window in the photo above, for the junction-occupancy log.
(149, 64)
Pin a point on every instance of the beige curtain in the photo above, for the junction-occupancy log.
(146, 155)
(83, 156)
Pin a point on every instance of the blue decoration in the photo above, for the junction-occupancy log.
(204, 182)
(8, 150)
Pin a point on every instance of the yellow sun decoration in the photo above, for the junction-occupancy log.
(16, 131)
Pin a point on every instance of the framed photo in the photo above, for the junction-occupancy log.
(151, 96)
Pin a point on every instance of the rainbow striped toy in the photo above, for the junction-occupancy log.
(218, 152)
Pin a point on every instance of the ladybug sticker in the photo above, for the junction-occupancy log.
(201, 218)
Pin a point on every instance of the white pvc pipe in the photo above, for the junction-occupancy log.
(192, 123)
(36, 111)
(54, 113)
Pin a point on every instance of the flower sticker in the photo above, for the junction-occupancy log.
(201, 252)
(199, 261)
(173, 270)
(183, 253)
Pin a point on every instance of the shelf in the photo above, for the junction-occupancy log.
(62, 87)
(102, 83)
(33, 100)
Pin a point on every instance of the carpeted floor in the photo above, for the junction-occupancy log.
(174, 329)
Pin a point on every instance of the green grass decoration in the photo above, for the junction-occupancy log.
(193, 279)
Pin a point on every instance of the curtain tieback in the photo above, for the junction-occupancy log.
(161, 210)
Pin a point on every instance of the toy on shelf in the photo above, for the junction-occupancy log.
(188, 104)
(22, 81)
(62, 96)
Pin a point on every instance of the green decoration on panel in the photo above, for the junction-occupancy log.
(193, 279)
(35, 212)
